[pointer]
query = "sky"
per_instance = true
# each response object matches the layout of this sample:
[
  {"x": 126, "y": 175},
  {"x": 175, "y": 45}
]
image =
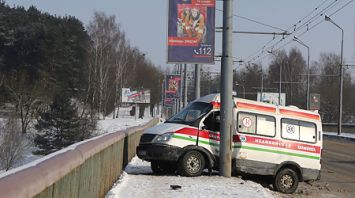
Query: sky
[{"x": 145, "y": 25}]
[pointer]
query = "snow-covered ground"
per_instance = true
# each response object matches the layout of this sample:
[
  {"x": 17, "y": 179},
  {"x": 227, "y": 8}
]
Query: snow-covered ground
[
  {"x": 138, "y": 181},
  {"x": 108, "y": 125}
]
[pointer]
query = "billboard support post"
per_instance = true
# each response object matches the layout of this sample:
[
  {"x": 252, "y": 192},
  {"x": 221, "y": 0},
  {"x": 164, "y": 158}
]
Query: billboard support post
[
  {"x": 197, "y": 81},
  {"x": 185, "y": 85}
]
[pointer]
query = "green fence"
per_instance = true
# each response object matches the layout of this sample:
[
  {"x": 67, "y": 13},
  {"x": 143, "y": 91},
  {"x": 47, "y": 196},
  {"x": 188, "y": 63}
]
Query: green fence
[{"x": 86, "y": 169}]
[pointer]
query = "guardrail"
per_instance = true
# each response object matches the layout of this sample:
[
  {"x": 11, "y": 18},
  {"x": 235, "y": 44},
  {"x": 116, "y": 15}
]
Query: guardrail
[
  {"x": 86, "y": 169},
  {"x": 333, "y": 127}
]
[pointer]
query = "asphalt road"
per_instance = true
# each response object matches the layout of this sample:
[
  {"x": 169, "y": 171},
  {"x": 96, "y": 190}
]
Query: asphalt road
[
  {"x": 338, "y": 164},
  {"x": 337, "y": 173}
]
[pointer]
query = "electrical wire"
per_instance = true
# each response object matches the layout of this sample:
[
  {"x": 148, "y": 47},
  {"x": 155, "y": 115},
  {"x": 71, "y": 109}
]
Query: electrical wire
[
  {"x": 297, "y": 29},
  {"x": 314, "y": 18},
  {"x": 341, "y": 7},
  {"x": 255, "y": 21}
]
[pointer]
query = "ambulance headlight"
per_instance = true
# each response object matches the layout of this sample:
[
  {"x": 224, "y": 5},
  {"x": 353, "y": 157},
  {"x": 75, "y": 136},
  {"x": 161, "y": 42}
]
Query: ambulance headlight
[{"x": 163, "y": 138}]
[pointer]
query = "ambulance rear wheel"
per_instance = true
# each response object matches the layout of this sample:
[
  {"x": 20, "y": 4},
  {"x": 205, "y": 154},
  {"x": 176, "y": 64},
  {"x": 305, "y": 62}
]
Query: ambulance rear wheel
[
  {"x": 192, "y": 164},
  {"x": 286, "y": 181}
]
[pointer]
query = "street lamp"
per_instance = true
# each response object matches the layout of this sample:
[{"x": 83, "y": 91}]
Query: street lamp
[
  {"x": 300, "y": 42},
  {"x": 341, "y": 74},
  {"x": 280, "y": 77},
  {"x": 262, "y": 85},
  {"x": 237, "y": 84}
]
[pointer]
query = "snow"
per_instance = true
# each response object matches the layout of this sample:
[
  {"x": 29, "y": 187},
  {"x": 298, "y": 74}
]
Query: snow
[
  {"x": 343, "y": 135},
  {"x": 108, "y": 125},
  {"x": 113, "y": 125},
  {"x": 138, "y": 181}
]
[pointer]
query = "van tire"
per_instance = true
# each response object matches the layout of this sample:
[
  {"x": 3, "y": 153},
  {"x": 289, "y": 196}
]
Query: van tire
[
  {"x": 286, "y": 181},
  {"x": 192, "y": 164},
  {"x": 162, "y": 167}
]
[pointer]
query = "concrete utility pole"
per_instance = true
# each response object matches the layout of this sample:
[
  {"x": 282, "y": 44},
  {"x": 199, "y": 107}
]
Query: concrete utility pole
[
  {"x": 197, "y": 81},
  {"x": 185, "y": 85},
  {"x": 225, "y": 156},
  {"x": 341, "y": 75}
]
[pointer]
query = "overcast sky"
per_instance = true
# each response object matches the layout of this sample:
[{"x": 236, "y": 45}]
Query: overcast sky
[{"x": 145, "y": 24}]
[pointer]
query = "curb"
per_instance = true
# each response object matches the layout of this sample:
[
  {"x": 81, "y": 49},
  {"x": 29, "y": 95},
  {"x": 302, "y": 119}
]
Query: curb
[{"x": 335, "y": 137}]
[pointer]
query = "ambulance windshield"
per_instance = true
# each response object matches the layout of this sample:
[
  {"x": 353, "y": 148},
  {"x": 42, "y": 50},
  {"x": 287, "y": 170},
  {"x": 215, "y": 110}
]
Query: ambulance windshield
[{"x": 191, "y": 113}]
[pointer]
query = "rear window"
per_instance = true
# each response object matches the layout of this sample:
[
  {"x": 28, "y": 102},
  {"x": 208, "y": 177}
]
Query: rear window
[{"x": 298, "y": 130}]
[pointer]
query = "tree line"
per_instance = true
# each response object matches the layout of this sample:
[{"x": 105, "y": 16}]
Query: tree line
[{"x": 60, "y": 73}]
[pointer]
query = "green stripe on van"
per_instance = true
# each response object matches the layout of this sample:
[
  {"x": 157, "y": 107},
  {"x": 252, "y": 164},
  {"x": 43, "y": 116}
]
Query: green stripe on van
[
  {"x": 278, "y": 152},
  {"x": 248, "y": 147},
  {"x": 194, "y": 140}
]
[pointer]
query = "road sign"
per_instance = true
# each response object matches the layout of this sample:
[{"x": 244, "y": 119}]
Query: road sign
[{"x": 315, "y": 101}]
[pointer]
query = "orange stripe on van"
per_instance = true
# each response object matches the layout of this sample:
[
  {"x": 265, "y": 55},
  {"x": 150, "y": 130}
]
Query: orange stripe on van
[
  {"x": 255, "y": 107},
  {"x": 299, "y": 114},
  {"x": 216, "y": 105}
]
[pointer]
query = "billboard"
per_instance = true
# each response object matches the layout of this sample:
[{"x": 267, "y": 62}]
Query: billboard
[
  {"x": 314, "y": 101},
  {"x": 135, "y": 95},
  {"x": 169, "y": 102},
  {"x": 191, "y": 31},
  {"x": 172, "y": 86},
  {"x": 272, "y": 98}
]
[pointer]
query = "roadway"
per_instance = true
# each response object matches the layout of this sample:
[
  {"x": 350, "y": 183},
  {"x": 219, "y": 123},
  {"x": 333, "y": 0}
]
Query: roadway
[
  {"x": 338, "y": 165},
  {"x": 337, "y": 173}
]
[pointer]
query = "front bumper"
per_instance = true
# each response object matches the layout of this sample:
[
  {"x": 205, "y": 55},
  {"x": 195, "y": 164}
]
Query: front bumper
[{"x": 150, "y": 152}]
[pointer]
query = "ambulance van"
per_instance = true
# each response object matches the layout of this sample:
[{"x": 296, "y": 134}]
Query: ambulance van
[{"x": 283, "y": 142}]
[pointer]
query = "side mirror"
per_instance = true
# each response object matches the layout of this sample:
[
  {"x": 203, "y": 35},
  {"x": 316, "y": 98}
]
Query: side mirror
[{"x": 218, "y": 119}]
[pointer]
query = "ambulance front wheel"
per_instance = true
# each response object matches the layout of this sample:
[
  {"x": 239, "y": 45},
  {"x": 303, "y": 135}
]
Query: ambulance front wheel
[
  {"x": 286, "y": 181},
  {"x": 162, "y": 167},
  {"x": 192, "y": 164}
]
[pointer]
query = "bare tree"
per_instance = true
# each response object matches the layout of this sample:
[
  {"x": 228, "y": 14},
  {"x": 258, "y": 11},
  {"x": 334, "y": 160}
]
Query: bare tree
[
  {"x": 293, "y": 67},
  {"x": 121, "y": 65},
  {"x": 327, "y": 85},
  {"x": 26, "y": 96},
  {"x": 107, "y": 59},
  {"x": 12, "y": 143}
]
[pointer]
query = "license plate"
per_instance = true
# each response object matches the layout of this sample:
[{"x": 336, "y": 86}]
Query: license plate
[{"x": 142, "y": 152}]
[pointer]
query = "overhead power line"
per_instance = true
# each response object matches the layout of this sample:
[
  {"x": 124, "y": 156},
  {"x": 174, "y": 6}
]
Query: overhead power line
[
  {"x": 319, "y": 15},
  {"x": 255, "y": 21},
  {"x": 304, "y": 24}
]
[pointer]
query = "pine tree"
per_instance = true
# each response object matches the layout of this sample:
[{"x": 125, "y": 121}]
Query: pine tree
[{"x": 58, "y": 127}]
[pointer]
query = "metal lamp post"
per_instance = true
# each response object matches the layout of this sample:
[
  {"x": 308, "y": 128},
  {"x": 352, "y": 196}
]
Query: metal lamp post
[
  {"x": 300, "y": 42},
  {"x": 280, "y": 77},
  {"x": 237, "y": 84},
  {"x": 341, "y": 74}
]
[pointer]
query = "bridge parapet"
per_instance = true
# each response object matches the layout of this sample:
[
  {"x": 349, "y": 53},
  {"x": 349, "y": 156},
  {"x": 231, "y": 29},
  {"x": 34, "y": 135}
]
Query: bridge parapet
[{"x": 85, "y": 169}]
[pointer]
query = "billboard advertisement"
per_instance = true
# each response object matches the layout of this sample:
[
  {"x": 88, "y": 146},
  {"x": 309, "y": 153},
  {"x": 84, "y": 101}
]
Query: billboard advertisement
[
  {"x": 135, "y": 95},
  {"x": 172, "y": 86},
  {"x": 191, "y": 31},
  {"x": 314, "y": 101},
  {"x": 272, "y": 98}
]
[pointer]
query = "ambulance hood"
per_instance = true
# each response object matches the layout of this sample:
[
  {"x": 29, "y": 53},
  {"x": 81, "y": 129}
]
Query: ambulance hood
[{"x": 164, "y": 128}]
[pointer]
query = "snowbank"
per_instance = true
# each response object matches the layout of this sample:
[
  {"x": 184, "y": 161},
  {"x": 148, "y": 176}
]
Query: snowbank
[
  {"x": 139, "y": 181},
  {"x": 108, "y": 125}
]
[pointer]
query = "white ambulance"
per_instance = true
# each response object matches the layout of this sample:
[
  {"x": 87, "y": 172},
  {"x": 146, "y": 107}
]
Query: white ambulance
[{"x": 283, "y": 142}]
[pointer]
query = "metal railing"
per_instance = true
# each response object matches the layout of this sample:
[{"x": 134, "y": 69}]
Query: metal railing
[{"x": 86, "y": 169}]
